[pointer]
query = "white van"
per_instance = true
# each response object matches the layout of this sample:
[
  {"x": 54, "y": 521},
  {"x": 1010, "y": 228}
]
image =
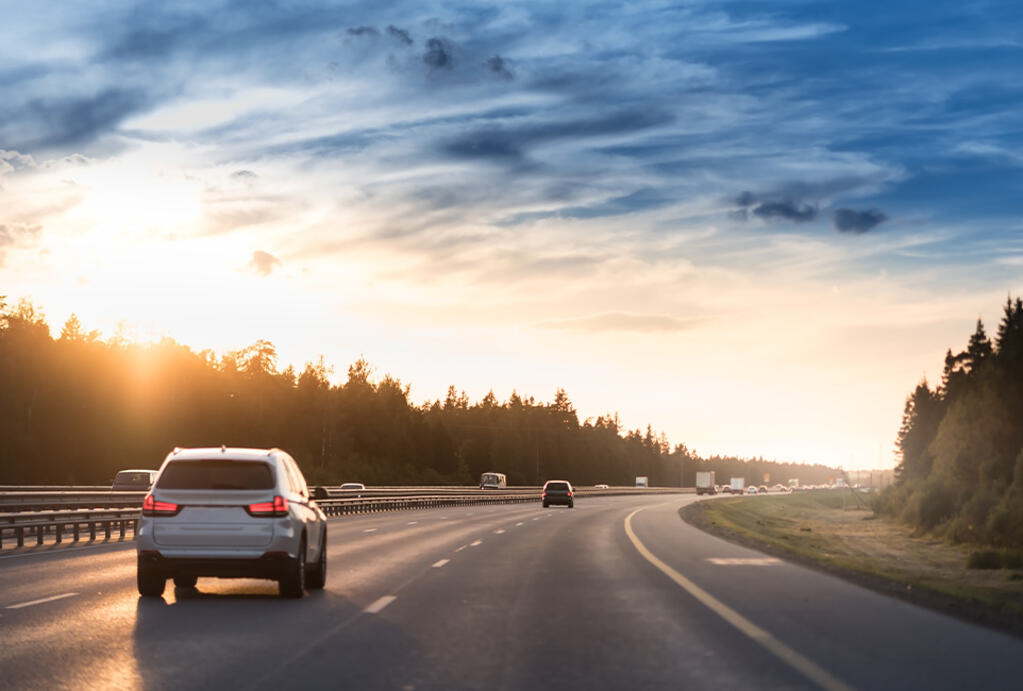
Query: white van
[{"x": 493, "y": 481}]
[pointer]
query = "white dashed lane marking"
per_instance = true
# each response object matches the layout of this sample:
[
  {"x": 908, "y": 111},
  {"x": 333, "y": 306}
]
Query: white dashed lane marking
[
  {"x": 518, "y": 524},
  {"x": 476, "y": 544},
  {"x": 411, "y": 522},
  {"x": 39, "y": 602},
  {"x": 441, "y": 563},
  {"x": 369, "y": 530},
  {"x": 380, "y": 604},
  {"x": 498, "y": 531}
]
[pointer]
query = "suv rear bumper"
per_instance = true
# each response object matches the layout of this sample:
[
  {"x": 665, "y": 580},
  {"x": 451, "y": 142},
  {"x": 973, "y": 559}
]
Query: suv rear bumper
[
  {"x": 271, "y": 565},
  {"x": 558, "y": 499}
]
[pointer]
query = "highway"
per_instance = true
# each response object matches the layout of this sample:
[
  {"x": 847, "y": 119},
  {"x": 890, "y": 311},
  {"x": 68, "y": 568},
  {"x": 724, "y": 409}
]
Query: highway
[{"x": 618, "y": 593}]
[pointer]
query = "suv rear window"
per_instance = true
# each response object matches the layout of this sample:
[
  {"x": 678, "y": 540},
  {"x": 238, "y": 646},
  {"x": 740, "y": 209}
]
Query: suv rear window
[
  {"x": 558, "y": 486},
  {"x": 216, "y": 475}
]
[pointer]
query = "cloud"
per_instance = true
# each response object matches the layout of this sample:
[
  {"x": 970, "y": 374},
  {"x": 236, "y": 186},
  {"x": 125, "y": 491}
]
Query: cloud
[
  {"x": 785, "y": 210},
  {"x": 263, "y": 262},
  {"x": 512, "y": 142},
  {"x": 858, "y": 222},
  {"x": 362, "y": 31},
  {"x": 499, "y": 66},
  {"x": 244, "y": 175},
  {"x": 623, "y": 321},
  {"x": 75, "y": 121},
  {"x": 438, "y": 54},
  {"x": 11, "y": 235},
  {"x": 400, "y": 34}
]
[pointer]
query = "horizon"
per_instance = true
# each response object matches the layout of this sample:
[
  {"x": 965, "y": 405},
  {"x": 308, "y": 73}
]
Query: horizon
[{"x": 753, "y": 227}]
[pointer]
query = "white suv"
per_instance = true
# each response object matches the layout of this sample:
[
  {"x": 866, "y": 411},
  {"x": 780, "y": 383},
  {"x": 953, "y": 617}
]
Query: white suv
[{"x": 231, "y": 513}]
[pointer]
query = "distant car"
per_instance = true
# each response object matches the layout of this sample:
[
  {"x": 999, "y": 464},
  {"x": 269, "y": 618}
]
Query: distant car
[
  {"x": 353, "y": 485},
  {"x": 751, "y": 490},
  {"x": 726, "y": 489},
  {"x": 231, "y": 513},
  {"x": 600, "y": 486},
  {"x": 138, "y": 480},
  {"x": 762, "y": 489},
  {"x": 557, "y": 492}
]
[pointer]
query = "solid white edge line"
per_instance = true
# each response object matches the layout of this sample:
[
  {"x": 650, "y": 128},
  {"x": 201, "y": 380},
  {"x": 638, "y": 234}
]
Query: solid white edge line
[
  {"x": 380, "y": 604},
  {"x": 39, "y": 602},
  {"x": 441, "y": 563},
  {"x": 797, "y": 661}
]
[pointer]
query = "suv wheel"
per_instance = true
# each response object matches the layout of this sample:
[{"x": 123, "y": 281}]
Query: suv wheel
[
  {"x": 292, "y": 583},
  {"x": 316, "y": 578},
  {"x": 150, "y": 581},
  {"x": 185, "y": 581}
]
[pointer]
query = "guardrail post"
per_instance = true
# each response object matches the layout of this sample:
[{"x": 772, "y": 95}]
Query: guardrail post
[
  {"x": 58, "y": 531},
  {"x": 106, "y": 529},
  {"x": 76, "y": 531},
  {"x": 39, "y": 535},
  {"x": 122, "y": 528},
  {"x": 92, "y": 531},
  {"x": 20, "y": 533}
]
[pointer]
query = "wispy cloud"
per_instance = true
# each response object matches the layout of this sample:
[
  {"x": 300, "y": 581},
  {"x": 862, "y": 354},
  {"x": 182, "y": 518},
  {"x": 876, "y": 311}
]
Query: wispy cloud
[{"x": 620, "y": 321}]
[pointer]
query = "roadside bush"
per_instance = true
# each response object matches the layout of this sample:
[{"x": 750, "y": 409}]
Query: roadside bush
[
  {"x": 988, "y": 559},
  {"x": 932, "y": 504},
  {"x": 891, "y": 501}
]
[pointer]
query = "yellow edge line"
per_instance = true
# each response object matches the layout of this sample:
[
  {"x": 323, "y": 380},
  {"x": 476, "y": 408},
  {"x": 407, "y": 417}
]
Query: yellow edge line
[{"x": 786, "y": 654}]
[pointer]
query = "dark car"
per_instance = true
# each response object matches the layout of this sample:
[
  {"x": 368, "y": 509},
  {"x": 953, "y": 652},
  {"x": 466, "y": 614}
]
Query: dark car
[
  {"x": 137, "y": 480},
  {"x": 558, "y": 492}
]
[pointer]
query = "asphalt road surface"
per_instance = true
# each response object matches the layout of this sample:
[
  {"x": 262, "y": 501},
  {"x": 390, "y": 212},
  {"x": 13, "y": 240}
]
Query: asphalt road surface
[{"x": 617, "y": 593}]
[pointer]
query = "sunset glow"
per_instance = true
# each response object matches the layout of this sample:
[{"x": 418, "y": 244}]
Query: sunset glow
[{"x": 754, "y": 230}]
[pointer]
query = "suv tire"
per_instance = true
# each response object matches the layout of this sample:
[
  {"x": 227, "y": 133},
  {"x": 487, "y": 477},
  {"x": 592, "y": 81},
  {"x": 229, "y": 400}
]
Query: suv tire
[
  {"x": 150, "y": 581},
  {"x": 292, "y": 583},
  {"x": 316, "y": 577},
  {"x": 185, "y": 582}
]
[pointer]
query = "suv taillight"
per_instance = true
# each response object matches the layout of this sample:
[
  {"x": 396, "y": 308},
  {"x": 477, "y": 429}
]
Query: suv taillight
[
  {"x": 271, "y": 509},
  {"x": 570, "y": 493},
  {"x": 151, "y": 507}
]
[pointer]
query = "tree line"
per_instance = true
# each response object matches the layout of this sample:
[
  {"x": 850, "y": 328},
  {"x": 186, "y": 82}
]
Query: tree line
[
  {"x": 76, "y": 408},
  {"x": 960, "y": 444}
]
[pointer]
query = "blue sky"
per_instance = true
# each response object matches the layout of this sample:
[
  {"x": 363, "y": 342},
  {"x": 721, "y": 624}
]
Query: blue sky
[{"x": 754, "y": 225}]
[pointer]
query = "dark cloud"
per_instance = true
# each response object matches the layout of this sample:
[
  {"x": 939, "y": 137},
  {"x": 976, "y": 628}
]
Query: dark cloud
[
  {"x": 512, "y": 142},
  {"x": 745, "y": 199},
  {"x": 244, "y": 175},
  {"x": 622, "y": 321},
  {"x": 77, "y": 121},
  {"x": 785, "y": 210},
  {"x": 400, "y": 34},
  {"x": 499, "y": 66},
  {"x": 438, "y": 53},
  {"x": 858, "y": 222},
  {"x": 263, "y": 262},
  {"x": 362, "y": 31}
]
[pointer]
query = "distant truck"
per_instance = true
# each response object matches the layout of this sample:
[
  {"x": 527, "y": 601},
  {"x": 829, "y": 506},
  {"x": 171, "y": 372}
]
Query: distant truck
[
  {"x": 738, "y": 484},
  {"x": 493, "y": 481},
  {"x": 642, "y": 482},
  {"x": 705, "y": 482}
]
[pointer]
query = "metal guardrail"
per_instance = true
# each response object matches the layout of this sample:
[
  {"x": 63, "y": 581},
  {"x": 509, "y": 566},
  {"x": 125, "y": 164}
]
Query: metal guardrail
[
  {"x": 40, "y": 524},
  {"x": 73, "y": 512}
]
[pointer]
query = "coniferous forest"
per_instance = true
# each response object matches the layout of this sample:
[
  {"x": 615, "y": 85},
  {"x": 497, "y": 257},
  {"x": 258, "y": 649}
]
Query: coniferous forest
[
  {"x": 76, "y": 408},
  {"x": 961, "y": 443}
]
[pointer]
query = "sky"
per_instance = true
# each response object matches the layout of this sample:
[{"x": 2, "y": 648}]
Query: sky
[{"x": 754, "y": 226}]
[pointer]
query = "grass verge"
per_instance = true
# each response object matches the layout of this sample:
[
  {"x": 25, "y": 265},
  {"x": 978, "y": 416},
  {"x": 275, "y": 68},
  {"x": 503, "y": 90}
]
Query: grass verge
[{"x": 832, "y": 530}]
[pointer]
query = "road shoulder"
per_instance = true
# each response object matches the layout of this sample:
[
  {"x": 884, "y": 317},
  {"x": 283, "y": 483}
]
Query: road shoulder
[{"x": 916, "y": 593}]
